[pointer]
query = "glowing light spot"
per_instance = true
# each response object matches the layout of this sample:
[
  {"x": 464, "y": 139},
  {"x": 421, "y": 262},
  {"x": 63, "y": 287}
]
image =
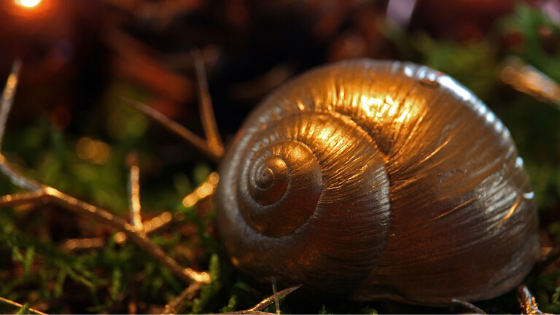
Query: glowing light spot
[
  {"x": 204, "y": 190},
  {"x": 85, "y": 148},
  {"x": 499, "y": 126},
  {"x": 392, "y": 110},
  {"x": 519, "y": 162},
  {"x": 214, "y": 178},
  {"x": 407, "y": 113},
  {"x": 408, "y": 71},
  {"x": 326, "y": 133},
  {"x": 166, "y": 217},
  {"x": 71, "y": 244},
  {"x": 203, "y": 277},
  {"x": 147, "y": 226},
  {"x": 389, "y": 100},
  {"x": 452, "y": 85},
  {"x": 97, "y": 151},
  {"x": 102, "y": 153},
  {"x": 512, "y": 209},
  {"x": 28, "y": 3},
  {"x": 490, "y": 117},
  {"x": 235, "y": 261},
  {"x": 119, "y": 238},
  {"x": 366, "y": 105},
  {"x": 190, "y": 201}
]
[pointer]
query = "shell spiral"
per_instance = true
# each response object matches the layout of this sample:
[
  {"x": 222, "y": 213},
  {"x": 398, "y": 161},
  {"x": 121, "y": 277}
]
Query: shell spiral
[{"x": 378, "y": 180}]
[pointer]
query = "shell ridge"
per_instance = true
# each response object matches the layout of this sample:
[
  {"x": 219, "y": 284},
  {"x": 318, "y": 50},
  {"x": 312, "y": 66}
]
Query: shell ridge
[{"x": 437, "y": 207}]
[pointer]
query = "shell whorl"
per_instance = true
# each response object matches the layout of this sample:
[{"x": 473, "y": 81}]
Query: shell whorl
[
  {"x": 378, "y": 179},
  {"x": 284, "y": 183},
  {"x": 288, "y": 195}
]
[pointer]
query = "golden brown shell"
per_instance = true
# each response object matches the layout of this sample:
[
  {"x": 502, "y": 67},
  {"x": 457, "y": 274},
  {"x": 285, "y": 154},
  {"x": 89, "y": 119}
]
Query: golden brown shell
[{"x": 378, "y": 180}]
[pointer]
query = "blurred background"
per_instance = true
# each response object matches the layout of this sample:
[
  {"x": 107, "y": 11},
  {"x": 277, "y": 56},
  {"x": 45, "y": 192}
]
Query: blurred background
[{"x": 70, "y": 129}]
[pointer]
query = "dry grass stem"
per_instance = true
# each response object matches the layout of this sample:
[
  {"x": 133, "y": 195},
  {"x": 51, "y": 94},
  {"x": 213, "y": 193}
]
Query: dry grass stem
[
  {"x": 3, "y": 300},
  {"x": 42, "y": 192}
]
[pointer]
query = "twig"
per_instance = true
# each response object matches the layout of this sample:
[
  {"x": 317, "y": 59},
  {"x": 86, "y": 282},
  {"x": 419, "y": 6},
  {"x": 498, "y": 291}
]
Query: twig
[
  {"x": 178, "y": 305},
  {"x": 5, "y": 107},
  {"x": 468, "y": 305},
  {"x": 80, "y": 207},
  {"x": 16, "y": 177},
  {"x": 40, "y": 191},
  {"x": 20, "y": 305},
  {"x": 134, "y": 191},
  {"x": 531, "y": 81},
  {"x": 527, "y": 301},
  {"x": 250, "y": 312},
  {"x": 48, "y": 193},
  {"x": 257, "y": 309},
  {"x": 26, "y": 197},
  {"x": 275, "y": 295},
  {"x": 83, "y": 243},
  {"x": 205, "y": 105},
  {"x": 206, "y": 189},
  {"x": 158, "y": 222},
  {"x": 211, "y": 146},
  {"x": 8, "y": 96},
  {"x": 177, "y": 129}
]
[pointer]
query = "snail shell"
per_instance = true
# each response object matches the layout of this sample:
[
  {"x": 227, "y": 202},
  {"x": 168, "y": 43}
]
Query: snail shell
[{"x": 378, "y": 180}]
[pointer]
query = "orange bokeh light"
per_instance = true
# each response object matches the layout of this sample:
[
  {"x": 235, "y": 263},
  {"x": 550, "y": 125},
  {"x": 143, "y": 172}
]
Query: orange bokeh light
[{"x": 28, "y": 3}]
